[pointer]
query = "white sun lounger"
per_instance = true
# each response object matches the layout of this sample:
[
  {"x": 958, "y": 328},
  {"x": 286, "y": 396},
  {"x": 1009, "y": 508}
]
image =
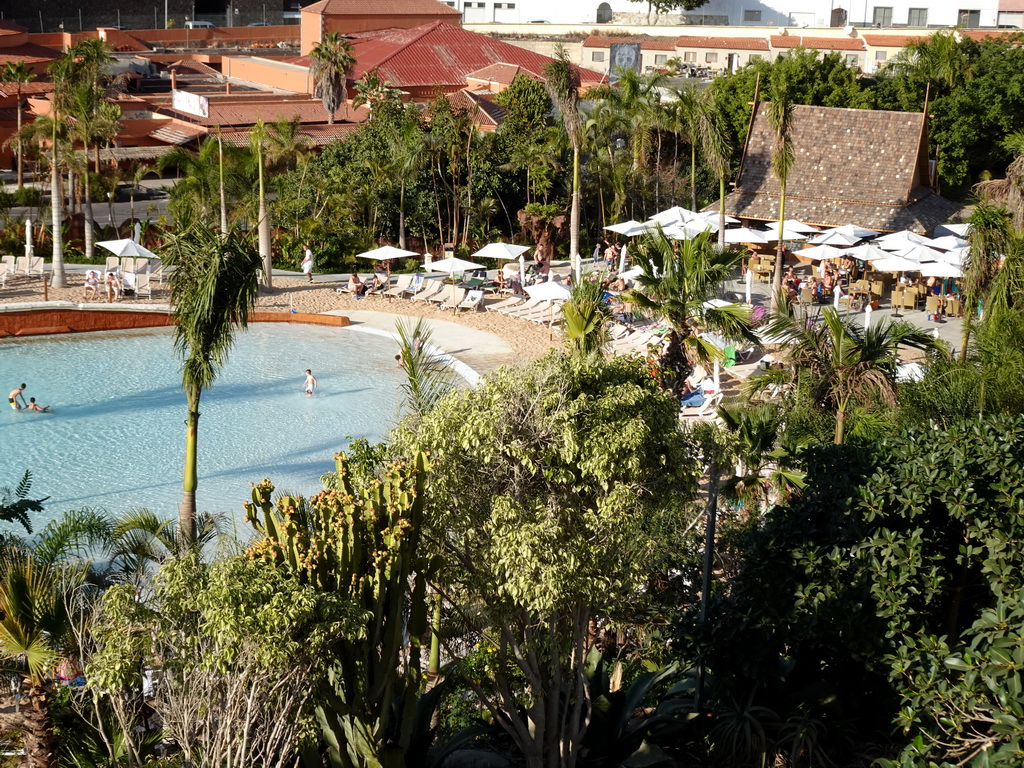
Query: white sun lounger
[
  {"x": 454, "y": 298},
  {"x": 430, "y": 288},
  {"x": 143, "y": 285},
  {"x": 539, "y": 309},
  {"x": 21, "y": 266},
  {"x": 127, "y": 265},
  {"x": 443, "y": 296},
  {"x": 401, "y": 285},
  {"x": 511, "y": 301},
  {"x": 113, "y": 264},
  {"x": 474, "y": 300},
  {"x": 517, "y": 309},
  {"x": 701, "y": 412},
  {"x": 35, "y": 266}
]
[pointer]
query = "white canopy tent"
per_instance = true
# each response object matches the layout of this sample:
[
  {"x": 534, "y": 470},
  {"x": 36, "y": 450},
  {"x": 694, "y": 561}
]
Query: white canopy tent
[
  {"x": 746, "y": 235},
  {"x": 834, "y": 237}
]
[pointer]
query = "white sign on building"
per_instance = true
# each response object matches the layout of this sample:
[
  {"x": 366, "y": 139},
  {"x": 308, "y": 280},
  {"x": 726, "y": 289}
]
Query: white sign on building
[{"x": 192, "y": 103}]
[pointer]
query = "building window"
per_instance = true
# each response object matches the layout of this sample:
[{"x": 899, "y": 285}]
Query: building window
[
  {"x": 882, "y": 17},
  {"x": 604, "y": 13},
  {"x": 660, "y": 58},
  {"x": 852, "y": 60},
  {"x": 754, "y": 57},
  {"x": 751, "y": 17},
  {"x": 689, "y": 55},
  {"x": 969, "y": 19},
  {"x": 711, "y": 58},
  {"x": 917, "y": 17},
  {"x": 597, "y": 56},
  {"x": 881, "y": 55}
]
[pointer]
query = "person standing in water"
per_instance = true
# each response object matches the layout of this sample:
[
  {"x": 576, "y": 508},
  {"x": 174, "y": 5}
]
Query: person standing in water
[
  {"x": 12, "y": 398},
  {"x": 310, "y": 382}
]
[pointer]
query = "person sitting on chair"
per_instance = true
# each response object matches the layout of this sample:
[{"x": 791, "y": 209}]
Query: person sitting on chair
[
  {"x": 693, "y": 391},
  {"x": 92, "y": 283},
  {"x": 357, "y": 286}
]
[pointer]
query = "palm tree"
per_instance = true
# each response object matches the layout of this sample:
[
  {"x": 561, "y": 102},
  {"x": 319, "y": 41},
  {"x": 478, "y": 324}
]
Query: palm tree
[
  {"x": 409, "y": 155},
  {"x": 843, "y": 363},
  {"x": 257, "y": 140},
  {"x": 678, "y": 281},
  {"x": 586, "y": 318},
  {"x": 330, "y": 63},
  {"x": 214, "y": 284},
  {"x": 563, "y": 84},
  {"x": 780, "y": 116},
  {"x": 284, "y": 143},
  {"x": 714, "y": 136},
  {"x": 35, "y": 634},
  {"x": 197, "y": 188},
  {"x": 19, "y": 74}
]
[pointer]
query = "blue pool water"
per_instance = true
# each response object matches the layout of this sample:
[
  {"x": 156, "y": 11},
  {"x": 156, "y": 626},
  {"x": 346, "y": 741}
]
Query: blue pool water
[{"x": 116, "y": 437}]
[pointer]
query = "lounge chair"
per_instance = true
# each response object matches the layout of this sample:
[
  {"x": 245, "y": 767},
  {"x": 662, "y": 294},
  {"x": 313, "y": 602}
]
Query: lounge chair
[
  {"x": 705, "y": 409},
  {"x": 512, "y": 301},
  {"x": 430, "y": 288},
  {"x": 401, "y": 285},
  {"x": 552, "y": 317},
  {"x": 454, "y": 298},
  {"x": 127, "y": 265},
  {"x": 21, "y": 266},
  {"x": 474, "y": 300},
  {"x": 3, "y": 274},
  {"x": 442, "y": 296},
  {"x": 143, "y": 285},
  {"x": 128, "y": 284},
  {"x": 35, "y": 266},
  {"x": 416, "y": 285},
  {"x": 538, "y": 311},
  {"x": 524, "y": 306},
  {"x": 113, "y": 264}
]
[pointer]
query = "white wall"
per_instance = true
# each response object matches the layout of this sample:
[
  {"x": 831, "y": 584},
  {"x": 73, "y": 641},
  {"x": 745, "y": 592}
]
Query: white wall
[{"x": 772, "y": 13}]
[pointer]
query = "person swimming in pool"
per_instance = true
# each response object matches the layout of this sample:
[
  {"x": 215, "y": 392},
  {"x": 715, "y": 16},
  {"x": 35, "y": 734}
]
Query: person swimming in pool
[
  {"x": 12, "y": 398},
  {"x": 310, "y": 382},
  {"x": 33, "y": 406}
]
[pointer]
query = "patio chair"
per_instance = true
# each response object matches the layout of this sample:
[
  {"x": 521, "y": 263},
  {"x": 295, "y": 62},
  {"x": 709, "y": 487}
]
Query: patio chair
[
  {"x": 401, "y": 285},
  {"x": 806, "y": 296},
  {"x": 909, "y": 299},
  {"x": 474, "y": 300},
  {"x": 430, "y": 288},
  {"x": 454, "y": 298},
  {"x": 953, "y": 307},
  {"x": 931, "y": 305}
]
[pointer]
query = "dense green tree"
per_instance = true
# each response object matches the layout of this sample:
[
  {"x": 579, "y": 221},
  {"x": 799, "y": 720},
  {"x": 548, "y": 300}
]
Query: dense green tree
[
  {"x": 578, "y": 466},
  {"x": 18, "y": 74}
]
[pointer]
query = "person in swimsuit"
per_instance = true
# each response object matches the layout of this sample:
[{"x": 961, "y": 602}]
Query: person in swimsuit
[
  {"x": 12, "y": 398},
  {"x": 92, "y": 282},
  {"x": 33, "y": 406},
  {"x": 310, "y": 382}
]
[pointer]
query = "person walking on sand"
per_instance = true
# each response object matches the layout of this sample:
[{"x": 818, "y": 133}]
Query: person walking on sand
[
  {"x": 33, "y": 406},
  {"x": 310, "y": 382},
  {"x": 12, "y": 398},
  {"x": 307, "y": 264}
]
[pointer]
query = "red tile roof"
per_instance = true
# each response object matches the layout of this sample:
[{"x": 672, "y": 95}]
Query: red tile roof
[
  {"x": 183, "y": 66},
  {"x": 732, "y": 43},
  {"x": 502, "y": 73},
  {"x": 646, "y": 43},
  {"x": 10, "y": 28},
  {"x": 891, "y": 41},
  {"x": 176, "y": 133},
  {"x": 34, "y": 88},
  {"x": 30, "y": 53},
  {"x": 482, "y": 111},
  {"x": 440, "y": 54},
  {"x": 381, "y": 8},
  {"x": 248, "y": 112},
  {"x": 313, "y": 135},
  {"x": 818, "y": 43},
  {"x": 982, "y": 34}
]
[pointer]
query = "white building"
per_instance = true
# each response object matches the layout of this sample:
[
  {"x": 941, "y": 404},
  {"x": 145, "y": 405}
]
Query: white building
[{"x": 809, "y": 13}]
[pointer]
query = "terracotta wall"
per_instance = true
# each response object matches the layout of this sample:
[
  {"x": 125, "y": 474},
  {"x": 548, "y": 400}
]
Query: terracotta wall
[
  {"x": 270, "y": 73},
  {"x": 41, "y": 322}
]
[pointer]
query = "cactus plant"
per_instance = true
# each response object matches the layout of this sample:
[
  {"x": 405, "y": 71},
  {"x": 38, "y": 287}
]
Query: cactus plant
[{"x": 361, "y": 544}]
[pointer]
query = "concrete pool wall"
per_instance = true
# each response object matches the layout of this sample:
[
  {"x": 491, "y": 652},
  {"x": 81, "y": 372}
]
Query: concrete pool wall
[{"x": 35, "y": 319}]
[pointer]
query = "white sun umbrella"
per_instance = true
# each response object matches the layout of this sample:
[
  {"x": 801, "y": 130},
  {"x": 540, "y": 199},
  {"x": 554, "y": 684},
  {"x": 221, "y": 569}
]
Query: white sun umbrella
[
  {"x": 821, "y": 252},
  {"x": 550, "y": 290},
  {"x": 787, "y": 233},
  {"x": 745, "y": 235},
  {"x": 940, "y": 269},
  {"x": 674, "y": 215},
  {"x": 506, "y": 251},
  {"x": 894, "y": 241},
  {"x": 29, "y": 246},
  {"x": 129, "y": 248},
  {"x": 956, "y": 257},
  {"x": 629, "y": 228},
  {"x": 386, "y": 253},
  {"x": 852, "y": 230},
  {"x": 687, "y": 231},
  {"x": 631, "y": 273},
  {"x": 948, "y": 243},
  {"x": 959, "y": 230},
  {"x": 867, "y": 252},
  {"x": 714, "y": 217},
  {"x": 834, "y": 237},
  {"x": 919, "y": 253},
  {"x": 451, "y": 265},
  {"x": 793, "y": 229},
  {"x": 895, "y": 264}
]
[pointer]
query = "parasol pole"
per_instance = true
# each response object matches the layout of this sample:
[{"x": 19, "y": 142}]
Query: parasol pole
[{"x": 748, "y": 277}]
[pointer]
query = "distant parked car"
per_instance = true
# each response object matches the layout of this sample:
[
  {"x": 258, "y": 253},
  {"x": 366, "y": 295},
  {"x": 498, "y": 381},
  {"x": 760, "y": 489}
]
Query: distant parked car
[
  {"x": 258, "y": 24},
  {"x": 194, "y": 24}
]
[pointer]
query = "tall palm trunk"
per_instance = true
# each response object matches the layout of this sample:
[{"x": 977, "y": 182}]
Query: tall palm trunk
[
  {"x": 190, "y": 481},
  {"x": 693, "y": 176},
  {"x": 781, "y": 248},
  {"x": 59, "y": 279},
  {"x": 401, "y": 216},
  {"x": 39, "y": 746},
  {"x": 18, "y": 145},
  {"x": 721, "y": 213},
  {"x": 90, "y": 239},
  {"x": 223, "y": 193},
  {"x": 263, "y": 226},
  {"x": 574, "y": 211}
]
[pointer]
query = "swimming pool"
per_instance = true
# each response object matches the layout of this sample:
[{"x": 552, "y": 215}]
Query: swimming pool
[{"x": 116, "y": 439}]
